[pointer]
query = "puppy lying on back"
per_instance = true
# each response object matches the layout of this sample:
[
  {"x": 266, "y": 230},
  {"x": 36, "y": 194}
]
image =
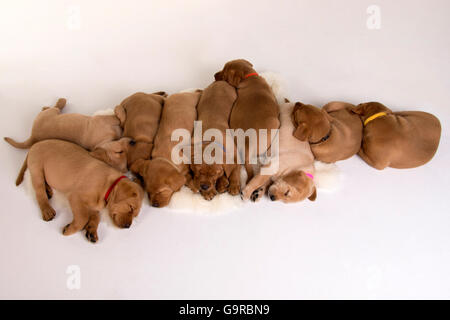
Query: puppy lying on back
[
  {"x": 293, "y": 181},
  {"x": 333, "y": 132},
  {"x": 89, "y": 184},
  {"x": 214, "y": 110},
  {"x": 255, "y": 107},
  {"x": 95, "y": 133},
  {"x": 397, "y": 139},
  {"x": 139, "y": 117},
  {"x": 161, "y": 176}
]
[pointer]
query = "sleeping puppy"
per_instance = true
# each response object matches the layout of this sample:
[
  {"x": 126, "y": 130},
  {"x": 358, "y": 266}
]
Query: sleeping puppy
[
  {"x": 96, "y": 133},
  {"x": 139, "y": 117},
  {"x": 255, "y": 107},
  {"x": 214, "y": 110},
  {"x": 333, "y": 132},
  {"x": 294, "y": 179},
  {"x": 89, "y": 184},
  {"x": 161, "y": 176},
  {"x": 397, "y": 139}
]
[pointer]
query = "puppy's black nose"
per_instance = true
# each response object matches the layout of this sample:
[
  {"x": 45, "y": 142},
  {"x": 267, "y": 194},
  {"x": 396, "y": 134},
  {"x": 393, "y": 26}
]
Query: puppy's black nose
[
  {"x": 204, "y": 186},
  {"x": 155, "y": 204},
  {"x": 272, "y": 197},
  {"x": 126, "y": 225},
  {"x": 132, "y": 142}
]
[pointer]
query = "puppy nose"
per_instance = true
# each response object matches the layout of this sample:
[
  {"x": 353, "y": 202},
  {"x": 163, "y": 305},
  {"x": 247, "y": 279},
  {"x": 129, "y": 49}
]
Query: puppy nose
[
  {"x": 155, "y": 204},
  {"x": 126, "y": 225},
  {"x": 272, "y": 197},
  {"x": 205, "y": 186}
]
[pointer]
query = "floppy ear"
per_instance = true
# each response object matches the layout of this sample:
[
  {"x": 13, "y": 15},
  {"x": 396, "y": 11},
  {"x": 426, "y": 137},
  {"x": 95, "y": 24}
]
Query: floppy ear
[
  {"x": 359, "y": 109},
  {"x": 234, "y": 77},
  {"x": 228, "y": 169},
  {"x": 121, "y": 114},
  {"x": 302, "y": 132},
  {"x": 100, "y": 154},
  {"x": 313, "y": 196},
  {"x": 161, "y": 93},
  {"x": 138, "y": 167},
  {"x": 218, "y": 76}
]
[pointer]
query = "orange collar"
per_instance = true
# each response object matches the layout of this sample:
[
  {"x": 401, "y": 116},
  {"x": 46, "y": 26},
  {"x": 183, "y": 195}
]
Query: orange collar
[
  {"x": 112, "y": 187},
  {"x": 251, "y": 75}
]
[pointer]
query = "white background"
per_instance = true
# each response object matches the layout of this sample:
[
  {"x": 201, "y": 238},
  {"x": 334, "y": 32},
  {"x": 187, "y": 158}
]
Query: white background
[{"x": 382, "y": 235}]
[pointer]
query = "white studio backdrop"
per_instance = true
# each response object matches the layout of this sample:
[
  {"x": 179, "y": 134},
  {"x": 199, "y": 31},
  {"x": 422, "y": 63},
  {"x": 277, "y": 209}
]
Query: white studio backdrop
[{"x": 382, "y": 235}]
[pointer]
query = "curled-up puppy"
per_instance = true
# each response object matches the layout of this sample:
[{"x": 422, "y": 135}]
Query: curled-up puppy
[
  {"x": 333, "y": 132},
  {"x": 139, "y": 117},
  {"x": 161, "y": 176},
  {"x": 293, "y": 180},
  {"x": 89, "y": 184},
  {"x": 255, "y": 107},
  {"x": 97, "y": 133},
  {"x": 397, "y": 139},
  {"x": 214, "y": 110}
]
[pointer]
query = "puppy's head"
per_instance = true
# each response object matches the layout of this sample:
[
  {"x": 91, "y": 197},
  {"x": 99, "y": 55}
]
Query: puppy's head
[
  {"x": 293, "y": 187},
  {"x": 205, "y": 175},
  {"x": 311, "y": 123},
  {"x": 124, "y": 203},
  {"x": 235, "y": 71},
  {"x": 113, "y": 153},
  {"x": 161, "y": 180},
  {"x": 365, "y": 110},
  {"x": 138, "y": 150}
]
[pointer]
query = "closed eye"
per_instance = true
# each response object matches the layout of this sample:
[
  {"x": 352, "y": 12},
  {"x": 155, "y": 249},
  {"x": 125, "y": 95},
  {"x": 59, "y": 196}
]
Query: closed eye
[{"x": 286, "y": 193}]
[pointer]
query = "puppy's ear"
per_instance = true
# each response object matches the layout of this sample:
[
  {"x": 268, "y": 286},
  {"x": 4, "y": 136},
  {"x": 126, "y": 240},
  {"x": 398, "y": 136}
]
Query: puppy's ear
[
  {"x": 138, "y": 167},
  {"x": 121, "y": 114},
  {"x": 100, "y": 154},
  {"x": 359, "y": 109},
  {"x": 302, "y": 132},
  {"x": 218, "y": 76},
  {"x": 161, "y": 93},
  {"x": 228, "y": 169},
  {"x": 297, "y": 106},
  {"x": 313, "y": 196}
]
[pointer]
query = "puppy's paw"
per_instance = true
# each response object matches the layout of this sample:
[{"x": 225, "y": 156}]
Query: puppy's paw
[
  {"x": 210, "y": 194},
  {"x": 234, "y": 189},
  {"x": 91, "y": 235},
  {"x": 48, "y": 213},
  {"x": 222, "y": 184},
  {"x": 246, "y": 193},
  {"x": 257, "y": 194},
  {"x": 68, "y": 230}
]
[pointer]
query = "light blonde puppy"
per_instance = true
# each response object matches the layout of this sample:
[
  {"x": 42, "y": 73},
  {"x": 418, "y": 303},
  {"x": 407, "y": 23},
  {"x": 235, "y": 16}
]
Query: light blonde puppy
[
  {"x": 89, "y": 184},
  {"x": 97, "y": 133},
  {"x": 293, "y": 180}
]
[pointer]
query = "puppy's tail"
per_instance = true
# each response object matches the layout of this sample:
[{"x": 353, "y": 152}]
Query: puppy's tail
[
  {"x": 60, "y": 104},
  {"x": 22, "y": 172},
  {"x": 21, "y": 145}
]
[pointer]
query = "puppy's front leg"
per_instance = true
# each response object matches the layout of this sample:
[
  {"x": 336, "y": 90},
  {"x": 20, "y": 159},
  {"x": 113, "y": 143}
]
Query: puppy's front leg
[
  {"x": 235, "y": 181},
  {"x": 259, "y": 181},
  {"x": 81, "y": 215},
  {"x": 91, "y": 227},
  {"x": 190, "y": 183}
]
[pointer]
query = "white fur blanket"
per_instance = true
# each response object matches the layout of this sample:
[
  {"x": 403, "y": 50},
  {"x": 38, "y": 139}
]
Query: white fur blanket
[{"x": 326, "y": 176}]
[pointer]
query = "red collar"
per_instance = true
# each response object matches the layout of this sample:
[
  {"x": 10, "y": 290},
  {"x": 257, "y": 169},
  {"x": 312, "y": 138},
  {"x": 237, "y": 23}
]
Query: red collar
[
  {"x": 112, "y": 187},
  {"x": 251, "y": 75}
]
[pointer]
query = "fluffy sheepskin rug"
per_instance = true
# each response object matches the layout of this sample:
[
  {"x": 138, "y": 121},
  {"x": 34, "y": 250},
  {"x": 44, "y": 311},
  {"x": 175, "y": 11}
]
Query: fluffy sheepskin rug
[{"x": 326, "y": 176}]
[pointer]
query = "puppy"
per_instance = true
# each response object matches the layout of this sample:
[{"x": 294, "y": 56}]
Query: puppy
[
  {"x": 255, "y": 107},
  {"x": 293, "y": 181},
  {"x": 333, "y": 132},
  {"x": 139, "y": 117},
  {"x": 92, "y": 133},
  {"x": 161, "y": 176},
  {"x": 89, "y": 184},
  {"x": 397, "y": 139},
  {"x": 214, "y": 110}
]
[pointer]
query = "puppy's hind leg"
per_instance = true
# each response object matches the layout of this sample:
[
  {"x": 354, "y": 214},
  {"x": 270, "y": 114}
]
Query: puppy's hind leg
[
  {"x": 81, "y": 215},
  {"x": 39, "y": 186},
  {"x": 379, "y": 165}
]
